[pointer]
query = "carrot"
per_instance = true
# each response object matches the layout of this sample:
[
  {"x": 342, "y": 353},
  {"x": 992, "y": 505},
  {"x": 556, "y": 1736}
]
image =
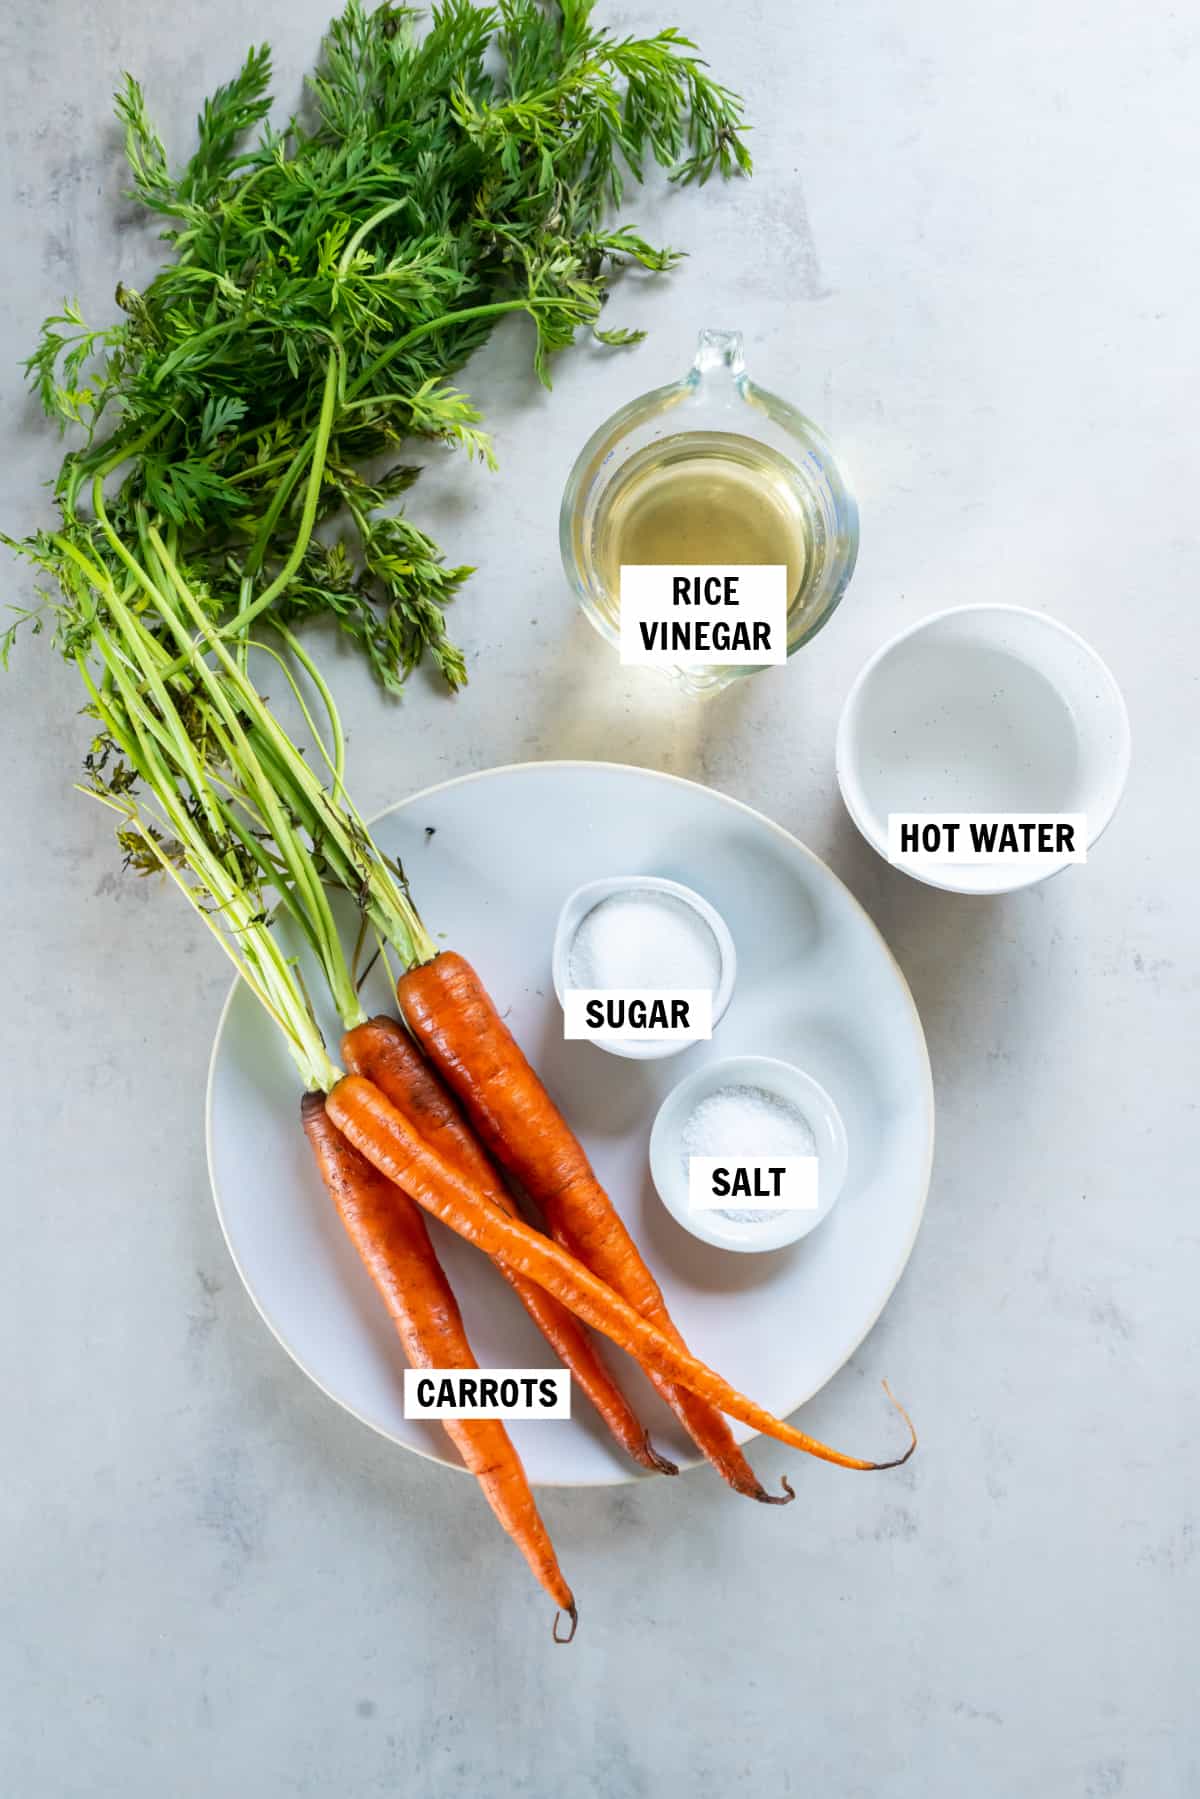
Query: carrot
[
  {"x": 392, "y": 1146},
  {"x": 390, "y": 1235},
  {"x": 382, "y": 1050},
  {"x": 460, "y": 1030}
]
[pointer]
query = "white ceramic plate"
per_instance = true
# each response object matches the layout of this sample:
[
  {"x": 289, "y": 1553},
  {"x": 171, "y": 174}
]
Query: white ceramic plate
[{"x": 491, "y": 858}]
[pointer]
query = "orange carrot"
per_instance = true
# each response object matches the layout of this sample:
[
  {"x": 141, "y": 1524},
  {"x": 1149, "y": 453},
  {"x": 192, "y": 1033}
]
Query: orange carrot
[
  {"x": 461, "y": 1032},
  {"x": 390, "y": 1235},
  {"x": 382, "y": 1050},
  {"x": 392, "y": 1146}
]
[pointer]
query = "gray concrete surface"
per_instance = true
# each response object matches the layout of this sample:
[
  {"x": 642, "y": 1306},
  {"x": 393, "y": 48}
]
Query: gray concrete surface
[{"x": 970, "y": 250}]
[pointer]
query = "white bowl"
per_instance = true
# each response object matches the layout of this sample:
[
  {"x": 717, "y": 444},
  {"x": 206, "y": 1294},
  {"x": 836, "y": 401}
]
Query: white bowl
[
  {"x": 576, "y": 908},
  {"x": 983, "y": 709},
  {"x": 783, "y": 1081}
]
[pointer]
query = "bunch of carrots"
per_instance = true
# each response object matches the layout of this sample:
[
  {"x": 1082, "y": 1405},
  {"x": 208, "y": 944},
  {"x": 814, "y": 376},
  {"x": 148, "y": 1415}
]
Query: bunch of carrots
[
  {"x": 434, "y": 1103},
  {"x": 391, "y": 1124},
  {"x": 229, "y": 406}
]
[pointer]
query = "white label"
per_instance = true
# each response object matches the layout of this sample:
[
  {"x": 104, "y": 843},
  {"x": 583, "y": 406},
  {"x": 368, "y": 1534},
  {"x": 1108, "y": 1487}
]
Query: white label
[
  {"x": 779, "y": 1184},
  {"x": 972, "y": 839},
  {"x": 638, "y": 1015},
  {"x": 695, "y": 616},
  {"x": 487, "y": 1393}
]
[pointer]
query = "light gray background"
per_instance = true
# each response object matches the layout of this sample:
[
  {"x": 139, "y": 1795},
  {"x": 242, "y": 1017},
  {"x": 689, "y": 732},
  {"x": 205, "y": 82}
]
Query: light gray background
[{"x": 970, "y": 251}]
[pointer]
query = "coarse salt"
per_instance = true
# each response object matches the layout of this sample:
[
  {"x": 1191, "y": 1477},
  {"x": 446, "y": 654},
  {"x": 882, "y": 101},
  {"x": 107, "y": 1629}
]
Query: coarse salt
[{"x": 742, "y": 1123}]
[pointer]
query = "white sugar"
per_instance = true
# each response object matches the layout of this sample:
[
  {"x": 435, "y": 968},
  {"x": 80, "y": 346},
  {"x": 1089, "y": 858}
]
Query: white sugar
[
  {"x": 647, "y": 940},
  {"x": 746, "y": 1124}
]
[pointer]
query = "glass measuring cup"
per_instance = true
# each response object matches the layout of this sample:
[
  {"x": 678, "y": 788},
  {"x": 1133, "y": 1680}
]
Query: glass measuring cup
[{"x": 715, "y": 413}]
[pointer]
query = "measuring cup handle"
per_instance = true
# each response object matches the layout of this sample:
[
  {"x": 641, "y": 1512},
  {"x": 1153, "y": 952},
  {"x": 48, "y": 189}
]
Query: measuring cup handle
[{"x": 719, "y": 354}]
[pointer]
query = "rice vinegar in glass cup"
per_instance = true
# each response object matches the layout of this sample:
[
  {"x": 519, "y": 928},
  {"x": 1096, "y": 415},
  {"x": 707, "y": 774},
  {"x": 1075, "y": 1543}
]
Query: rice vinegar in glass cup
[{"x": 711, "y": 469}]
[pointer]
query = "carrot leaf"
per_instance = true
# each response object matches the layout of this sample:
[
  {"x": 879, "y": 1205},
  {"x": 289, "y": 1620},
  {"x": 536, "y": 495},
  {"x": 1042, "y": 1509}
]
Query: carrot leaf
[{"x": 440, "y": 179}]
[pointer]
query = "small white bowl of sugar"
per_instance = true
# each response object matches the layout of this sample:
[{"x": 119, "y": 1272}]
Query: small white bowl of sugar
[
  {"x": 747, "y": 1109},
  {"x": 643, "y": 933}
]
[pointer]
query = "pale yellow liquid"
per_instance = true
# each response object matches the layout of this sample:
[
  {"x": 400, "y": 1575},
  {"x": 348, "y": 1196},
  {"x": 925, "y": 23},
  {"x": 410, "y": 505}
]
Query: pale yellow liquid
[{"x": 702, "y": 497}]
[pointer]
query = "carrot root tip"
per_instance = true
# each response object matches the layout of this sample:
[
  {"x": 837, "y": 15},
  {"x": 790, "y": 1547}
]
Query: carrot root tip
[
  {"x": 658, "y": 1462},
  {"x": 899, "y": 1460},
  {"x": 784, "y": 1498},
  {"x": 573, "y": 1615}
]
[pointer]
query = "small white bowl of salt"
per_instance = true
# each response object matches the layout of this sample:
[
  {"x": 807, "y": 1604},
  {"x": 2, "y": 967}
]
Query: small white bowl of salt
[
  {"x": 643, "y": 933},
  {"x": 747, "y": 1109}
]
